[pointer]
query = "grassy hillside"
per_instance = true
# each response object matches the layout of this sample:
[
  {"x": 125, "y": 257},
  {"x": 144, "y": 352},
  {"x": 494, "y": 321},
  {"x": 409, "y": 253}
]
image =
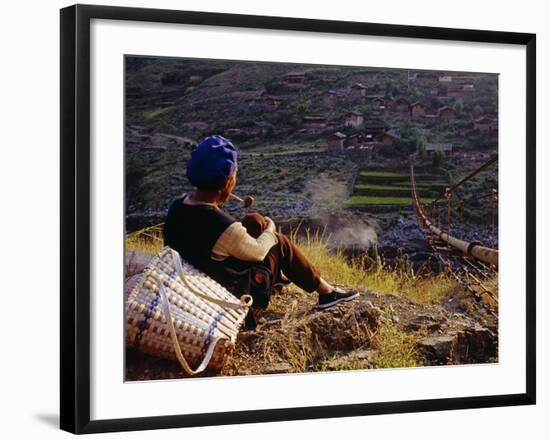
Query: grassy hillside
[
  {"x": 384, "y": 188},
  {"x": 172, "y": 103}
]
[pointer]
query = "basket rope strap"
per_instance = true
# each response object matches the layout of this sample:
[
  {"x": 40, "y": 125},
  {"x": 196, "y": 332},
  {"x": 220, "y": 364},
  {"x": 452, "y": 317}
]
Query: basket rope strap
[
  {"x": 179, "y": 354},
  {"x": 246, "y": 299}
]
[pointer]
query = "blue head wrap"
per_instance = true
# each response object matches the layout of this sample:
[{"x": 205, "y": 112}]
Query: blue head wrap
[{"x": 212, "y": 162}]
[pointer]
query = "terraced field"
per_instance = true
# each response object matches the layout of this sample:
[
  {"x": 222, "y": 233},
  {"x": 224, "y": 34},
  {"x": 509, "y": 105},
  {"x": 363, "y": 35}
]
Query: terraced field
[{"x": 382, "y": 188}]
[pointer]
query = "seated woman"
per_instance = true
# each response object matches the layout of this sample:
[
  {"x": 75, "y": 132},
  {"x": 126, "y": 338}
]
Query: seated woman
[{"x": 245, "y": 257}]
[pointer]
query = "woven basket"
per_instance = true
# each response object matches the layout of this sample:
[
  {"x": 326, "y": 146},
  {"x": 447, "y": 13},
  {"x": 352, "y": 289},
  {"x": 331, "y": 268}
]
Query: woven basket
[{"x": 177, "y": 312}]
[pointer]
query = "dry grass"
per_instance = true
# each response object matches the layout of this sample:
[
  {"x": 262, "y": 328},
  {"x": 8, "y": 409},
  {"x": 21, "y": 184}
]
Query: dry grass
[
  {"x": 394, "y": 348},
  {"x": 286, "y": 341},
  {"x": 362, "y": 272},
  {"x": 366, "y": 273},
  {"x": 148, "y": 239}
]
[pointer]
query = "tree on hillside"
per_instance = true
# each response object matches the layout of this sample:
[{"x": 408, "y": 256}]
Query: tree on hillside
[
  {"x": 459, "y": 106},
  {"x": 392, "y": 88},
  {"x": 421, "y": 146},
  {"x": 437, "y": 159}
]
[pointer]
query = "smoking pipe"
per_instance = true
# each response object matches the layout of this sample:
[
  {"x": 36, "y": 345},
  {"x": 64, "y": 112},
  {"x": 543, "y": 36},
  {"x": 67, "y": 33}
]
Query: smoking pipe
[{"x": 247, "y": 201}]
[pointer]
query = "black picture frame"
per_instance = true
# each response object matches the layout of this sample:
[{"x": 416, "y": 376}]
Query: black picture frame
[{"x": 75, "y": 217}]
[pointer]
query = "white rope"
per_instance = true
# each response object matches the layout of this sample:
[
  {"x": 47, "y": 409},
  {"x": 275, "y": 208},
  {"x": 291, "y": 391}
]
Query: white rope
[
  {"x": 179, "y": 354},
  {"x": 246, "y": 302},
  {"x": 246, "y": 299}
]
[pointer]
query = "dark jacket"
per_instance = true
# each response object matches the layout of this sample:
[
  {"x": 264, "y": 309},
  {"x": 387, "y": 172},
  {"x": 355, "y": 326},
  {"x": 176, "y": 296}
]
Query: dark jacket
[{"x": 192, "y": 230}]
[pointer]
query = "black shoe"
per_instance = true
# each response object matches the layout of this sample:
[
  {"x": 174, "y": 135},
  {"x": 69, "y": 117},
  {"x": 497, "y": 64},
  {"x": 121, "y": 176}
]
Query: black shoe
[{"x": 335, "y": 297}]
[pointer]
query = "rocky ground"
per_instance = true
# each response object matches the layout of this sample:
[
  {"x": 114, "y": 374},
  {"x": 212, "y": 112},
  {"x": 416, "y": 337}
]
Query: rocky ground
[
  {"x": 403, "y": 231},
  {"x": 301, "y": 339},
  {"x": 401, "y": 234}
]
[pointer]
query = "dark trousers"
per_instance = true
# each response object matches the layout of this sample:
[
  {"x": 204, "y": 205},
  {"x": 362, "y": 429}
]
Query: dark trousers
[{"x": 284, "y": 257}]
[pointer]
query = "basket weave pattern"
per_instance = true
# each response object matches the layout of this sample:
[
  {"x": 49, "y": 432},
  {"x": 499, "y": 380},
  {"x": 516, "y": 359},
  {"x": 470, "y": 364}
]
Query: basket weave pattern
[{"x": 205, "y": 317}]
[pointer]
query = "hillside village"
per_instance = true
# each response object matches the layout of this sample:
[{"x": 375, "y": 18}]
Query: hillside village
[
  {"x": 370, "y": 107},
  {"x": 310, "y": 136}
]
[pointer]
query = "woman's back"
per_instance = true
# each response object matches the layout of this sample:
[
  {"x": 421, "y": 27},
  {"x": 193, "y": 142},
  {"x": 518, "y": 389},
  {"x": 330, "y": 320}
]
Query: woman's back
[{"x": 193, "y": 229}]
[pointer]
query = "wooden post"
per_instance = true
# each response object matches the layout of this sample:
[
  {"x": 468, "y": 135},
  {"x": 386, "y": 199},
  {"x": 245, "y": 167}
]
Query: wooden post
[{"x": 448, "y": 197}]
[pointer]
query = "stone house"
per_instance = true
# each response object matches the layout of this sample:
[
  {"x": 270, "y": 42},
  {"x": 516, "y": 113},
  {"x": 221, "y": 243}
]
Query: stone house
[
  {"x": 379, "y": 103},
  {"x": 386, "y": 138},
  {"x": 373, "y": 128},
  {"x": 447, "y": 113},
  {"x": 314, "y": 122},
  {"x": 418, "y": 110},
  {"x": 483, "y": 123},
  {"x": 269, "y": 102},
  {"x": 358, "y": 90},
  {"x": 401, "y": 105},
  {"x": 354, "y": 119},
  {"x": 295, "y": 78},
  {"x": 331, "y": 97},
  {"x": 335, "y": 141}
]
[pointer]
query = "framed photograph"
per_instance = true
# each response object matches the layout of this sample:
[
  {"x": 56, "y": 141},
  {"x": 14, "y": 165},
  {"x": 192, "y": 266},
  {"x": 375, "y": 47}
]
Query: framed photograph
[{"x": 340, "y": 214}]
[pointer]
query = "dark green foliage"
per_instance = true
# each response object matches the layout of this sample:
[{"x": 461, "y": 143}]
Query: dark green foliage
[{"x": 437, "y": 159}]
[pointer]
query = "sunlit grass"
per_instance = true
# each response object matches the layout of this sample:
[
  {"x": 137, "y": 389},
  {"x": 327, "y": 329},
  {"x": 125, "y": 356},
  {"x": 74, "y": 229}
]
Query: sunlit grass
[
  {"x": 360, "y": 272},
  {"x": 148, "y": 240},
  {"x": 394, "y": 348},
  {"x": 367, "y": 273},
  {"x": 367, "y": 200},
  {"x": 387, "y": 187},
  {"x": 401, "y": 186},
  {"x": 383, "y": 174}
]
